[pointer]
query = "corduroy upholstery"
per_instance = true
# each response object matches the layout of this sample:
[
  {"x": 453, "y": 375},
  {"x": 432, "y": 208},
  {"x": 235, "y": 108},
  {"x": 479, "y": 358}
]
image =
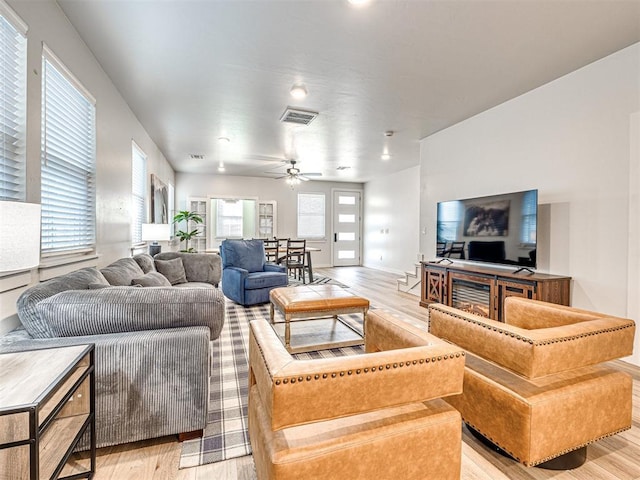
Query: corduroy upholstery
[
  {"x": 152, "y": 344},
  {"x": 536, "y": 386},
  {"x": 377, "y": 415}
]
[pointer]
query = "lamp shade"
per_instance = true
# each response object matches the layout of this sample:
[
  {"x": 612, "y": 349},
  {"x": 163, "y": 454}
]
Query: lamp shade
[
  {"x": 19, "y": 236},
  {"x": 155, "y": 232}
]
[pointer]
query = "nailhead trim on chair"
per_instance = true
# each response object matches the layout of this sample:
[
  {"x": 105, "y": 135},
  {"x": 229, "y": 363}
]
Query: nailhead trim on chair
[
  {"x": 529, "y": 340},
  {"x": 358, "y": 371}
]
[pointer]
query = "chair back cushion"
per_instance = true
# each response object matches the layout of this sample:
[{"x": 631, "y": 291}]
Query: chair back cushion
[{"x": 246, "y": 254}]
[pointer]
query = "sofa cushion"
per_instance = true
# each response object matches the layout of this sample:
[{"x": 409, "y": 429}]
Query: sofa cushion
[
  {"x": 122, "y": 271},
  {"x": 145, "y": 261},
  {"x": 27, "y": 302},
  {"x": 151, "y": 279},
  {"x": 128, "y": 309},
  {"x": 172, "y": 269}
]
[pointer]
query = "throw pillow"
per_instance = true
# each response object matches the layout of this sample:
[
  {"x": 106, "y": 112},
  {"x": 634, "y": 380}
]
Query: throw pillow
[
  {"x": 173, "y": 270},
  {"x": 122, "y": 271},
  {"x": 97, "y": 286},
  {"x": 152, "y": 279},
  {"x": 145, "y": 261}
]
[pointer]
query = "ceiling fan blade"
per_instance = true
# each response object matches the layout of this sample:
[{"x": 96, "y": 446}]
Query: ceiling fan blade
[
  {"x": 303, "y": 178},
  {"x": 314, "y": 174}
]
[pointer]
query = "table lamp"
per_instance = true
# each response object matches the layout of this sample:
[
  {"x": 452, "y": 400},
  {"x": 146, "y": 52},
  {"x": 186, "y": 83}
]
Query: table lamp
[
  {"x": 19, "y": 236},
  {"x": 155, "y": 232}
]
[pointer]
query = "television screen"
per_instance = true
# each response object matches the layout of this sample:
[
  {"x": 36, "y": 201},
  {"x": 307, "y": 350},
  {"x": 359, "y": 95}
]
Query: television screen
[{"x": 496, "y": 229}]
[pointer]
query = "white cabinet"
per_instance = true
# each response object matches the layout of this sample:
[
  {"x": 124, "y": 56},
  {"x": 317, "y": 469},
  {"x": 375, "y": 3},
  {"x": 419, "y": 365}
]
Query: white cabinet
[
  {"x": 198, "y": 205},
  {"x": 267, "y": 219}
]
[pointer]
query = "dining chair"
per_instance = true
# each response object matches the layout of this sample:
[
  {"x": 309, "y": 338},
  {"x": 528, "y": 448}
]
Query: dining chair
[
  {"x": 295, "y": 258},
  {"x": 271, "y": 250}
]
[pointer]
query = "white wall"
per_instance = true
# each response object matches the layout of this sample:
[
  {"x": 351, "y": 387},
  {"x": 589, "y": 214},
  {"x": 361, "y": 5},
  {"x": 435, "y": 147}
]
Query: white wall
[
  {"x": 116, "y": 127},
  {"x": 572, "y": 139},
  {"x": 266, "y": 189},
  {"x": 392, "y": 221}
]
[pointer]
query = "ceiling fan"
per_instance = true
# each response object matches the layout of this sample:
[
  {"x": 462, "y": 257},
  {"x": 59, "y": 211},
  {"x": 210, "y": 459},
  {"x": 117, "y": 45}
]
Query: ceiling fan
[{"x": 294, "y": 175}]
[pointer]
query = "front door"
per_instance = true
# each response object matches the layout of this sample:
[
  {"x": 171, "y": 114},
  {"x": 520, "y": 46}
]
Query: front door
[{"x": 346, "y": 227}]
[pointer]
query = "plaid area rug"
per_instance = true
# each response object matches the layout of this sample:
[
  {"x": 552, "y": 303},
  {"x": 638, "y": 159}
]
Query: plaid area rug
[
  {"x": 317, "y": 280},
  {"x": 226, "y": 434}
]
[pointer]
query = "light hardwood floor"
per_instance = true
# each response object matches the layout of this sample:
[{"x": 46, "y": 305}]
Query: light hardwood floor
[{"x": 617, "y": 457}]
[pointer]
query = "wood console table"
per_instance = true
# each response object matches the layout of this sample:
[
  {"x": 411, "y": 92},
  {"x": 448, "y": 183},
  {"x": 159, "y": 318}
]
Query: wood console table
[
  {"x": 47, "y": 404},
  {"x": 482, "y": 290}
]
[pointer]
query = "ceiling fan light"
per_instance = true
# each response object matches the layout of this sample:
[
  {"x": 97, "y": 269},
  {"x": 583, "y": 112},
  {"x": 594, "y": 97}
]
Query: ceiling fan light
[
  {"x": 298, "y": 91},
  {"x": 359, "y": 3}
]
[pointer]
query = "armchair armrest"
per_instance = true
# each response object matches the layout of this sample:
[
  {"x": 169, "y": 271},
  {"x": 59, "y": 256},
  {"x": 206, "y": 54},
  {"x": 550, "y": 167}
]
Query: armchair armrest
[
  {"x": 538, "y": 352},
  {"x": 272, "y": 267},
  {"x": 126, "y": 309},
  {"x": 296, "y": 392}
]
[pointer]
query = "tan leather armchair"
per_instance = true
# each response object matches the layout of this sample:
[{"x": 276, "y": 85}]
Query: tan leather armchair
[
  {"x": 537, "y": 386},
  {"x": 377, "y": 415}
]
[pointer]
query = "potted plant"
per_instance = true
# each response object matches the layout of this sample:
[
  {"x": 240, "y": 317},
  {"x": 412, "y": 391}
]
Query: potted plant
[{"x": 186, "y": 235}]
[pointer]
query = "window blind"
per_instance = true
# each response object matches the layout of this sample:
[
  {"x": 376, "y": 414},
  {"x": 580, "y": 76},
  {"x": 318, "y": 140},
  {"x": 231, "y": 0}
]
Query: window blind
[
  {"x": 229, "y": 218},
  {"x": 13, "y": 82},
  {"x": 68, "y": 161},
  {"x": 138, "y": 189},
  {"x": 311, "y": 215}
]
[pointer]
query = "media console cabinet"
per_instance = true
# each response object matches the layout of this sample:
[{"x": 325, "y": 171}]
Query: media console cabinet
[{"x": 482, "y": 290}]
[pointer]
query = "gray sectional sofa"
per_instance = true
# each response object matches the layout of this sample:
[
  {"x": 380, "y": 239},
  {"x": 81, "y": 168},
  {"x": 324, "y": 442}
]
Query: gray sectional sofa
[{"x": 152, "y": 342}]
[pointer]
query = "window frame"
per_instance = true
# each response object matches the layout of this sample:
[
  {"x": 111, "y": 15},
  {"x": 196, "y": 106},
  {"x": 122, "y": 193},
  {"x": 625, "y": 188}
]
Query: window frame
[
  {"x": 301, "y": 216},
  {"x": 139, "y": 161},
  {"x": 66, "y": 231},
  {"x": 13, "y": 107}
]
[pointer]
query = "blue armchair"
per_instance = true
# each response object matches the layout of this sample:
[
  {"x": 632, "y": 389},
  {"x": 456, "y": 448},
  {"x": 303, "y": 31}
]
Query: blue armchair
[{"x": 247, "y": 278}]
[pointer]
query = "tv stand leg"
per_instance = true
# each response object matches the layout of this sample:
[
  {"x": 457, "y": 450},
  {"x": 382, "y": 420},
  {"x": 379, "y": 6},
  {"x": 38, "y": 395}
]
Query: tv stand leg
[{"x": 524, "y": 269}]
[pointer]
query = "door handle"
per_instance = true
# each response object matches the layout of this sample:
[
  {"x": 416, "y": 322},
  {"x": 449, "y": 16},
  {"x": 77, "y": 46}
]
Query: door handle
[{"x": 335, "y": 237}]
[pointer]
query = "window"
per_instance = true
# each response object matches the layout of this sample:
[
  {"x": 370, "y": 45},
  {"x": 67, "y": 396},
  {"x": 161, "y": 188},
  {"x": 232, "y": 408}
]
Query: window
[
  {"x": 234, "y": 217},
  {"x": 13, "y": 82},
  {"x": 311, "y": 220},
  {"x": 138, "y": 190},
  {"x": 68, "y": 161}
]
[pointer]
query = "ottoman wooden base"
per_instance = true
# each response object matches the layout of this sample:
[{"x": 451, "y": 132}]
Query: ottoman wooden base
[{"x": 313, "y": 303}]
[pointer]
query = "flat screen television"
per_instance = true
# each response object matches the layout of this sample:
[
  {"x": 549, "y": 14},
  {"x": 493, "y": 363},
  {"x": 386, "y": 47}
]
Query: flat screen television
[{"x": 499, "y": 229}]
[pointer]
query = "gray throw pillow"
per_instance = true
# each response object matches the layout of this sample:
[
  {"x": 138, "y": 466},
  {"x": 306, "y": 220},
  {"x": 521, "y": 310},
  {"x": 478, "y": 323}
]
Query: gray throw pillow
[
  {"x": 152, "y": 279},
  {"x": 122, "y": 271},
  {"x": 172, "y": 269},
  {"x": 145, "y": 261}
]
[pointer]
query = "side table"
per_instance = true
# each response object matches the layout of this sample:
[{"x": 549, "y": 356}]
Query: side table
[{"x": 47, "y": 404}]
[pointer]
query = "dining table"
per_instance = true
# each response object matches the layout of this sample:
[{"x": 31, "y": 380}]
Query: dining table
[{"x": 307, "y": 251}]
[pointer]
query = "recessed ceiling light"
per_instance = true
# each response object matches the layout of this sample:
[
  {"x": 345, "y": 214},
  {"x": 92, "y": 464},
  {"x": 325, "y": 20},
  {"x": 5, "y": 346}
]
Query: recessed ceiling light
[
  {"x": 298, "y": 91},
  {"x": 385, "y": 156},
  {"x": 221, "y": 167},
  {"x": 359, "y": 3},
  {"x": 223, "y": 140}
]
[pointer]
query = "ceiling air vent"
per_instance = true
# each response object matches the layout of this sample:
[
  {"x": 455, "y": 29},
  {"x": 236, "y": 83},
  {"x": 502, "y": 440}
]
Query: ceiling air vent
[
  {"x": 196, "y": 156},
  {"x": 299, "y": 117}
]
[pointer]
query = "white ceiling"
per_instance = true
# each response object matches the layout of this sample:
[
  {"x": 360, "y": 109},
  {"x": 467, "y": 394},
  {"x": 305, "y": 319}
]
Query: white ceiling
[{"x": 195, "y": 70}]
